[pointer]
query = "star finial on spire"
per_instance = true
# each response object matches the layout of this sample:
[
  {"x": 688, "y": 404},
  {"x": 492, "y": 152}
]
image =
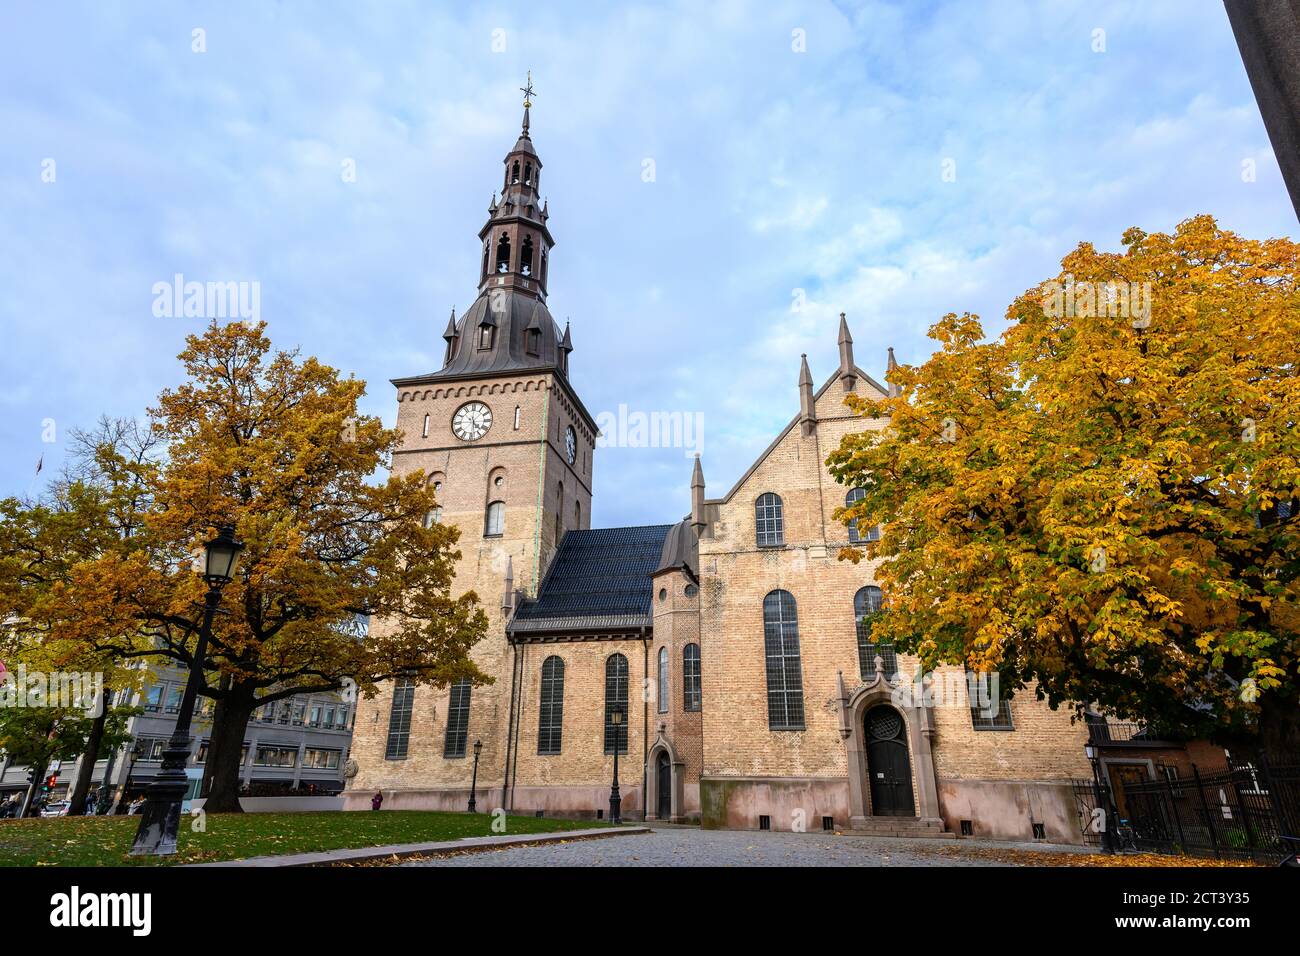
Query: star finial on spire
[{"x": 527, "y": 90}]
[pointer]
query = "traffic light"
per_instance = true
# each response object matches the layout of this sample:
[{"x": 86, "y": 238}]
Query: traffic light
[{"x": 50, "y": 781}]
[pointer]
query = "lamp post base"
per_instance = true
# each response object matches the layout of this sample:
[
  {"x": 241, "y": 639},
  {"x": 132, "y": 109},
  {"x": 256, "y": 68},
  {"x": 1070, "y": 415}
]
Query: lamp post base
[{"x": 160, "y": 818}]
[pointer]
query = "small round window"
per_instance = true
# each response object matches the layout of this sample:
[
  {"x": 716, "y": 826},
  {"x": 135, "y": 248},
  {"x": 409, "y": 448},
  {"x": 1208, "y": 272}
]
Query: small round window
[
  {"x": 499, "y": 481},
  {"x": 692, "y": 590},
  {"x": 663, "y": 594}
]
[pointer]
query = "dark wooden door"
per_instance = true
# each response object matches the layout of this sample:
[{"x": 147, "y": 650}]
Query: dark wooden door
[
  {"x": 888, "y": 765},
  {"x": 664, "y": 773}
]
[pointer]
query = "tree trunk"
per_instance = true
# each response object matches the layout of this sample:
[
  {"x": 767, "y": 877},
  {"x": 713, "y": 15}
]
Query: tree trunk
[
  {"x": 32, "y": 788},
  {"x": 86, "y": 770},
  {"x": 218, "y": 707},
  {"x": 229, "y": 721}
]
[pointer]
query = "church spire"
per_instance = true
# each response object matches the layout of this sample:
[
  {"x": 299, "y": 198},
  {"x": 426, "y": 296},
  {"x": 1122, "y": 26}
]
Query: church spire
[
  {"x": 451, "y": 335},
  {"x": 848, "y": 371},
  {"x": 891, "y": 365},
  {"x": 697, "y": 498},
  {"x": 516, "y": 241},
  {"x": 807, "y": 410}
]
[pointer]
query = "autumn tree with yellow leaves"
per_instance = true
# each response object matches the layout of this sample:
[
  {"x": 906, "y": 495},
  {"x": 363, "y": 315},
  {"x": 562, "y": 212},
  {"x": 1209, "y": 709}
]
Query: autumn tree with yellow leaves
[
  {"x": 273, "y": 444},
  {"x": 1102, "y": 501}
]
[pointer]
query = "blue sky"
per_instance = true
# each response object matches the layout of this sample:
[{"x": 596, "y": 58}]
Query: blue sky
[{"x": 774, "y": 170}]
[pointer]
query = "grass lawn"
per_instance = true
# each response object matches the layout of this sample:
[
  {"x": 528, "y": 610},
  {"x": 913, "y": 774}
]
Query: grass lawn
[{"x": 106, "y": 841}]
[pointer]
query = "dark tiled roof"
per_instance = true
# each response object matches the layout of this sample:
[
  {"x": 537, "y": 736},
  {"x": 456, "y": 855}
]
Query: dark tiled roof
[
  {"x": 599, "y": 580},
  {"x": 681, "y": 550},
  {"x": 512, "y": 313}
]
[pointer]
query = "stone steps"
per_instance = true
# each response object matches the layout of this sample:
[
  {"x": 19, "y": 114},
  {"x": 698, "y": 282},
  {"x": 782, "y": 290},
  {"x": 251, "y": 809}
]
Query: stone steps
[{"x": 900, "y": 827}]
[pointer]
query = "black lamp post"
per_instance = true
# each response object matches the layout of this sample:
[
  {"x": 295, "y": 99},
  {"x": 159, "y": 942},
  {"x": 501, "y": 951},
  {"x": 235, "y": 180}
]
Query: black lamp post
[
  {"x": 1102, "y": 796},
  {"x": 161, "y": 817},
  {"x": 473, "y": 783},
  {"x": 615, "y": 799}
]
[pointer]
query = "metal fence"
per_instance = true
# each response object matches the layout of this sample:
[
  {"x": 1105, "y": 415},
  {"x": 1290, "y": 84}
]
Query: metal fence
[{"x": 1241, "y": 813}]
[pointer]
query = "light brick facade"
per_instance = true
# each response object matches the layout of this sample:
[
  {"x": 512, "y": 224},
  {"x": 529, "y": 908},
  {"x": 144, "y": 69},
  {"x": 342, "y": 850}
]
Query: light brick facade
[{"x": 721, "y": 763}]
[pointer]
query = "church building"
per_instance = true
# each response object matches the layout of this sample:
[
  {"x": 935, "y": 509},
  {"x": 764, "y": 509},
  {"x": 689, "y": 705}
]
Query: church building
[{"x": 726, "y": 655}]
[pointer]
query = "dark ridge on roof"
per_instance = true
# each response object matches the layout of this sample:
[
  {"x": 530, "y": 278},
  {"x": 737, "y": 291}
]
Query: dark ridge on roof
[{"x": 599, "y": 579}]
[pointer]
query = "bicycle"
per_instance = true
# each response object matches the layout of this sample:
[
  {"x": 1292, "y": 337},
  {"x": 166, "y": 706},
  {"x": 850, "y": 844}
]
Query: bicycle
[{"x": 1293, "y": 858}]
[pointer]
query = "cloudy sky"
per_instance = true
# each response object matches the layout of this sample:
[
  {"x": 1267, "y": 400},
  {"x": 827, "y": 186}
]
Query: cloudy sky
[{"x": 794, "y": 146}]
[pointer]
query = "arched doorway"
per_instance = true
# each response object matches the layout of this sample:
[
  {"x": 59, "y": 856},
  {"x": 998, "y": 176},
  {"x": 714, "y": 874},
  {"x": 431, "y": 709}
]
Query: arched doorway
[
  {"x": 664, "y": 781},
  {"x": 889, "y": 768}
]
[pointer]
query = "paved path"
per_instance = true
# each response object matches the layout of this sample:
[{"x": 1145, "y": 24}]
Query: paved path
[{"x": 691, "y": 847}]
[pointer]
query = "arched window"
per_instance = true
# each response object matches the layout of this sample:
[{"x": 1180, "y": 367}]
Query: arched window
[
  {"x": 487, "y": 252},
  {"x": 457, "y": 719},
  {"x": 526, "y": 256},
  {"x": 769, "y": 520},
  {"x": 496, "y": 520},
  {"x": 543, "y": 270},
  {"x": 503, "y": 253},
  {"x": 866, "y": 605},
  {"x": 663, "y": 680},
  {"x": 784, "y": 672},
  {"x": 691, "y": 695},
  {"x": 434, "y": 514},
  {"x": 577, "y": 514},
  {"x": 399, "y": 719},
  {"x": 528, "y": 174},
  {"x": 517, "y": 417},
  {"x": 514, "y": 172},
  {"x": 551, "y": 720},
  {"x": 424, "y": 433},
  {"x": 615, "y": 696},
  {"x": 855, "y": 536}
]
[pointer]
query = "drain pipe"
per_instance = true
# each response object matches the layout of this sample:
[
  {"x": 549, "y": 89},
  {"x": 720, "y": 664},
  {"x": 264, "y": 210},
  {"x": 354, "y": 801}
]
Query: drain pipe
[
  {"x": 645, "y": 723},
  {"x": 505, "y": 768}
]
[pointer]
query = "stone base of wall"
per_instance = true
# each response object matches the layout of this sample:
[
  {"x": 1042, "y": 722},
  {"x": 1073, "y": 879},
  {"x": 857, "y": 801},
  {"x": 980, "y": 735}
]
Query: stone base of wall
[
  {"x": 579, "y": 803},
  {"x": 1008, "y": 809},
  {"x": 736, "y": 803}
]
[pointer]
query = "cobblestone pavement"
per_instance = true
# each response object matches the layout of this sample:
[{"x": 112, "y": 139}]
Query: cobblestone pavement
[{"x": 691, "y": 847}]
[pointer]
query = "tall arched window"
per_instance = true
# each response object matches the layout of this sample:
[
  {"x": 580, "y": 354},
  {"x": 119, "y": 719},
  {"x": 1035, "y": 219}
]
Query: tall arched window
[
  {"x": 528, "y": 174},
  {"x": 434, "y": 514},
  {"x": 663, "y": 680},
  {"x": 615, "y": 696},
  {"x": 496, "y": 520},
  {"x": 503, "y": 253},
  {"x": 577, "y": 514},
  {"x": 457, "y": 719},
  {"x": 769, "y": 520},
  {"x": 856, "y": 536},
  {"x": 514, "y": 172},
  {"x": 551, "y": 720},
  {"x": 399, "y": 719},
  {"x": 691, "y": 695},
  {"x": 526, "y": 256},
  {"x": 866, "y": 605},
  {"x": 784, "y": 672},
  {"x": 424, "y": 432}
]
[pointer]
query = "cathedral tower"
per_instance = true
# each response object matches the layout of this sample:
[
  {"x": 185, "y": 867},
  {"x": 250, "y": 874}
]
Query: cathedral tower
[{"x": 507, "y": 446}]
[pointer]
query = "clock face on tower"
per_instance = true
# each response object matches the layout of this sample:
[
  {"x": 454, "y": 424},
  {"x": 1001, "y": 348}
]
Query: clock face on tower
[
  {"x": 570, "y": 444},
  {"x": 471, "y": 421}
]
